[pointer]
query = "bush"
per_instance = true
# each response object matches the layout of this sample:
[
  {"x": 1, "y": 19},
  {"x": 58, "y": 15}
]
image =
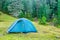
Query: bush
[
  {"x": 43, "y": 20},
  {"x": 21, "y": 15}
]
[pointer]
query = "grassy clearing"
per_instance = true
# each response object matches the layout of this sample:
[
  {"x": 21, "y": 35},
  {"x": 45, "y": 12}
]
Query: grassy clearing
[
  {"x": 5, "y": 17},
  {"x": 45, "y": 32}
]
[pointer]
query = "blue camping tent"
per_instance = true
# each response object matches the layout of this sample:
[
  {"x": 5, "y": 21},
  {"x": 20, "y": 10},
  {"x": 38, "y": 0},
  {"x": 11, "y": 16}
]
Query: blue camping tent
[{"x": 22, "y": 25}]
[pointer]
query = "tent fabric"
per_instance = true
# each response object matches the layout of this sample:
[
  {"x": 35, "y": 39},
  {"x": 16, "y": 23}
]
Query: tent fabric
[{"x": 22, "y": 25}]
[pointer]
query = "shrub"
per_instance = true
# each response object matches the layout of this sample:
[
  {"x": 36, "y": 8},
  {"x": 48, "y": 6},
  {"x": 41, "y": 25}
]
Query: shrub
[{"x": 43, "y": 20}]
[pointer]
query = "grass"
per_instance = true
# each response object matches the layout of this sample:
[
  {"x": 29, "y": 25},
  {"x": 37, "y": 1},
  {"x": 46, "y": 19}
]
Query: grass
[
  {"x": 5, "y": 17},
  {"x": 45, "y": 32}
]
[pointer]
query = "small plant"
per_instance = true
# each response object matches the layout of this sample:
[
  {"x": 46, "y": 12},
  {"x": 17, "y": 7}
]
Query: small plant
[
  {"x": 43, "y": 20},
  {"x": 56, "y": 23}
]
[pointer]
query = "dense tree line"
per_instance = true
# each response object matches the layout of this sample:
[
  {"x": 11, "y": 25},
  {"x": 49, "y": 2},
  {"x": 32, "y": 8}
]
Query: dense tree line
[{"x": 43, "y": 10}]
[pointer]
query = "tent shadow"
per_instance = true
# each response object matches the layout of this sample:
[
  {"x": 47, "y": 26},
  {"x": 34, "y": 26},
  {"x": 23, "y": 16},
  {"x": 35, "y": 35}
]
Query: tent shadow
[{"x": 21, "y": 32}]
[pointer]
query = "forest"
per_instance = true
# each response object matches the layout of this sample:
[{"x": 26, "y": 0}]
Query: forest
[{"x": 41, "y": 10}]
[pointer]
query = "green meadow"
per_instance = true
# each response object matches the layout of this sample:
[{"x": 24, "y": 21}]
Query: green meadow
[{"x": 45, "y": 32}]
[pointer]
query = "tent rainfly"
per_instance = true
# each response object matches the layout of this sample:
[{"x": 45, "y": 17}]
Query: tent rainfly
[{"x": 22, "y": 25}]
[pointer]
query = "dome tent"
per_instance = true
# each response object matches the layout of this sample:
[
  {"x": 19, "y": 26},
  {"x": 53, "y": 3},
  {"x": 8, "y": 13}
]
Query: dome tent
[{"x": 22, "y": 25}]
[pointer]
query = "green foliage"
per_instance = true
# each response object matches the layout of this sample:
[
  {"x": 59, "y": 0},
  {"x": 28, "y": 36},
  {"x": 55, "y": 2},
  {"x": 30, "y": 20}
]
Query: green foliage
[
  {"x": 44, "y": 10},
  {"x": 54, "y": 20},
  {"x": 43, "y": 20},
  {"x": 29, "y": 16},
  {"x": 21, "y": 15}
]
